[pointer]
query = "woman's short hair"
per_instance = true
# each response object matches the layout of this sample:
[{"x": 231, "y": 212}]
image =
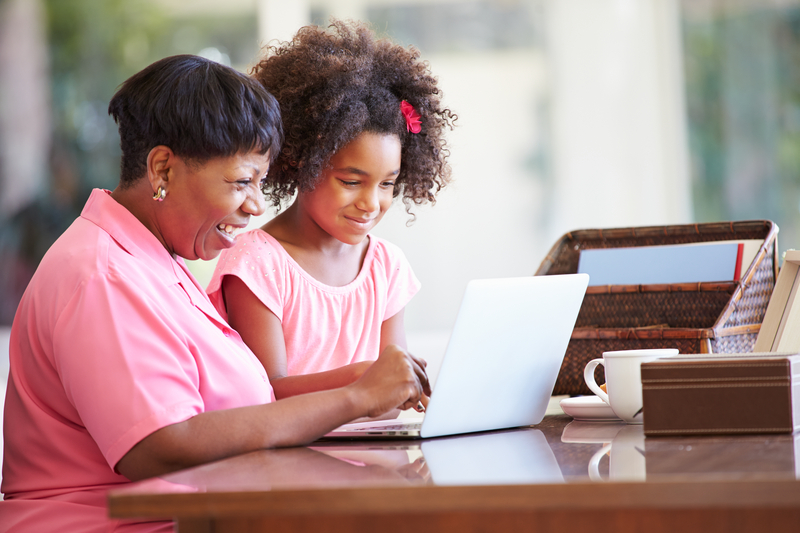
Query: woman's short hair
[
  {"x": 200, "y": 109},
  {"x": 334, "y": 84}
]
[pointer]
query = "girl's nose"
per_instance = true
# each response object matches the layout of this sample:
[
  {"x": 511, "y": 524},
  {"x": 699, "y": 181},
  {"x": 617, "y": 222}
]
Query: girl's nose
[{"x": 369, "y": 201}]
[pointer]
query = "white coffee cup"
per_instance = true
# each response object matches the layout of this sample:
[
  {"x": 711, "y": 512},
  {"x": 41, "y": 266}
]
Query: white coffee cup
[{"x": 623, "y": 380}]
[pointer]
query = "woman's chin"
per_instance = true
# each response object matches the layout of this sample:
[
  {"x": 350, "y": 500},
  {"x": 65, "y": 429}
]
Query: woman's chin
[
  {"x": 208, "y": 255},
  {"x": 209, "y": 252}
]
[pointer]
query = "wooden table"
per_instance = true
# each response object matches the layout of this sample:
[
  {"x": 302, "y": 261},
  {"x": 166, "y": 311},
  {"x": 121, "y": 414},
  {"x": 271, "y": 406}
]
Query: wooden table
[{"x": 562, "y": 475}]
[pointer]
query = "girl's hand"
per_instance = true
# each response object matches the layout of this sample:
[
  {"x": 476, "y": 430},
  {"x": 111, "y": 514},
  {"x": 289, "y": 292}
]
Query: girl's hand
[{"x": 395, "y": 379}]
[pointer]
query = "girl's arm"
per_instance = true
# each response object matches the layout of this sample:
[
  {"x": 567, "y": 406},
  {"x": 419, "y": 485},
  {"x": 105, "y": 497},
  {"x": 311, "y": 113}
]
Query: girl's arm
[
  {"x": 261, "y": 330},
  {"x": 393, "y": 331},
  {"x": 395, "y": 379}
]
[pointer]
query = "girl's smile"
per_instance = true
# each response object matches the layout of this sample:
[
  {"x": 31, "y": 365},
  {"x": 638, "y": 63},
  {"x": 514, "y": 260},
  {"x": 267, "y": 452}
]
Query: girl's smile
[{"x": 356, "y": 189}]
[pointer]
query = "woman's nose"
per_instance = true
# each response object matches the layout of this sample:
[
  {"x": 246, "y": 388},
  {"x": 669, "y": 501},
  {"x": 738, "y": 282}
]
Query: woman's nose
[{"x": 255, "y": 204}]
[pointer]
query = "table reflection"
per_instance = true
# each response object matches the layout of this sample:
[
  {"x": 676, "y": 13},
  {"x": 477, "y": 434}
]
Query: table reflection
[
  {"x": 560, "y": 474},
  {"x": 624, "y": 454},
  {"x": 521, "y": 456},
  {"x": 505, "y": 458},
  {"x": 560, "y": 450}
]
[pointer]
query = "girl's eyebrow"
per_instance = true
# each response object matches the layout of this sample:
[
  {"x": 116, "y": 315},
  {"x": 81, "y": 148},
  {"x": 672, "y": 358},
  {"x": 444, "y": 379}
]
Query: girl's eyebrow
[
  {"x": 352, "y": 170},
  {"x": 359, "y": 172}
]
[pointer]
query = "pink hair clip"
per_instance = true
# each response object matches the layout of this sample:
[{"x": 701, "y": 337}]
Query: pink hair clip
[{"x": 413, "y": 122}]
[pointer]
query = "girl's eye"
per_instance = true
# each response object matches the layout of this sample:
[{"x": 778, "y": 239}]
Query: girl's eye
[
  {"x": 349, "y": 183},
  {"x": 388, "y": 184}
]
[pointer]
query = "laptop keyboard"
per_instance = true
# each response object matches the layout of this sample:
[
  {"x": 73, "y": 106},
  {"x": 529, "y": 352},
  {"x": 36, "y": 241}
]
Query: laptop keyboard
[{"x": 410, "y": 426}]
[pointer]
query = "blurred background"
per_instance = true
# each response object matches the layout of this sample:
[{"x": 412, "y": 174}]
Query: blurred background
[{"x": 573, "y": 114}]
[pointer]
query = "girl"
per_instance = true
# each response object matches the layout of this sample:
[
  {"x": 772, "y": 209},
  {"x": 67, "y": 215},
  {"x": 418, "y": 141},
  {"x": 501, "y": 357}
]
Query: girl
[{"x": 313, "y": 294}]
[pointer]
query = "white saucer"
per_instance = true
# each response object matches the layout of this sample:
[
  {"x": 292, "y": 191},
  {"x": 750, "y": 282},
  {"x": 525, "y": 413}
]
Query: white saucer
[{"x": 587, "y": 408}]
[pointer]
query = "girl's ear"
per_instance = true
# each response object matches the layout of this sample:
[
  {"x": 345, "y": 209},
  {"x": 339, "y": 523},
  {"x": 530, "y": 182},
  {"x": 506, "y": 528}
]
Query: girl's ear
[{"x": 159, "y": 163}]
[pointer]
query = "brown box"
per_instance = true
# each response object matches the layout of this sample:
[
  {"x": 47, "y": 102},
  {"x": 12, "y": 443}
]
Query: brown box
[
  {"x": 692, "y": 317},
  {"x": 729, "y": 394}
]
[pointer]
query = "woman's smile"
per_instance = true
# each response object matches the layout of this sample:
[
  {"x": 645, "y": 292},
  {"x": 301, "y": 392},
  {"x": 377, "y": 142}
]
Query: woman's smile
[
  {"x": 208, "y": 205},
  {"x": 229, "y": 232}
]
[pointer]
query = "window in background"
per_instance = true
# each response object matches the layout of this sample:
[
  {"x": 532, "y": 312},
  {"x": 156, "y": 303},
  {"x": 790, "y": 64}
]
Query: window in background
[
  {"x": 92, "y": 46},
  {"x": 460, "y": 27},
  {"x": 742, "y": 68}
]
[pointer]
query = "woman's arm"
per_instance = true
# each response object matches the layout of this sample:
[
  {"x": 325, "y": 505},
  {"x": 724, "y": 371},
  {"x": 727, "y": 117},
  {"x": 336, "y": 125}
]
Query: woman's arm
[
  {"x": 261, "y": 330},
  {"x": 396, "y": 379}
]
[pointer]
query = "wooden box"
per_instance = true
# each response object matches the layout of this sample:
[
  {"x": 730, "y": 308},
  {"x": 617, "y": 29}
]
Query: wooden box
[
  {"x": 718, "y": 395},
  {"x": 692, "y": 317}
]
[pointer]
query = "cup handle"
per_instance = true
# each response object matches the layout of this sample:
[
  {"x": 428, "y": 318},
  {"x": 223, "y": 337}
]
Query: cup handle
[
  {"x": 594, "y": 462},
  {"x": 588, "y": 376}
]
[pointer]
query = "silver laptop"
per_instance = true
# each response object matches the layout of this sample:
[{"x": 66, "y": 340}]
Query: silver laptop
[{"x": 501, "y": 362}]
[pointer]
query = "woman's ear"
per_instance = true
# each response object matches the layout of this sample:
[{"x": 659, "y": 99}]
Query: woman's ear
[{"x": 159, "y": 162}]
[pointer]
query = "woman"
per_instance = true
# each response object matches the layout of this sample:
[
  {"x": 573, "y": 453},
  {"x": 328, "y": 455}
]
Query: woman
[{"x": 120, "y": 366}]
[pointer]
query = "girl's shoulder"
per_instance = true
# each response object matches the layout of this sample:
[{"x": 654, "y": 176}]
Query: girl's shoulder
[
  {"x": 254, "y": 252},
  {"x": 252, "y": 241},
  {"x": 380, "y": 247},
  {"x": 386, "y": 255}
]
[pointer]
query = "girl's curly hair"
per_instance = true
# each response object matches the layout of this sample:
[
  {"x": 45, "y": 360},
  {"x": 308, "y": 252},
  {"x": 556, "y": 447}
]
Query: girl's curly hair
[{"x": 332, "y": 86}]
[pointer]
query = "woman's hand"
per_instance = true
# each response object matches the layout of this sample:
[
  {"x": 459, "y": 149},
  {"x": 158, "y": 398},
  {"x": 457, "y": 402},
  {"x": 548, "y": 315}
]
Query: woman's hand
[
  {"x": 357, "y": 370},
  {"x": 395, "y": 379}
]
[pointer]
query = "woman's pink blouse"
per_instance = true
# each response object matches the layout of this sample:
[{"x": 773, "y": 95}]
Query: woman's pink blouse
[{"x": 113, "y": 340}]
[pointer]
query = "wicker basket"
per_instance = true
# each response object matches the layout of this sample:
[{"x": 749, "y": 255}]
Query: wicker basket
[{"x": 693, "y": 317}]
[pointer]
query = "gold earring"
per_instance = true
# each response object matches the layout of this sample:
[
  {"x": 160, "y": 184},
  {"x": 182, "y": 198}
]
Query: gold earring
[{"x": 160, "y": 194}]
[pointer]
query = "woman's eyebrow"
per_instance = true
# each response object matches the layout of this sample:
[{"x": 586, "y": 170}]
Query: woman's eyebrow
[{"x": 251, "y": 165}]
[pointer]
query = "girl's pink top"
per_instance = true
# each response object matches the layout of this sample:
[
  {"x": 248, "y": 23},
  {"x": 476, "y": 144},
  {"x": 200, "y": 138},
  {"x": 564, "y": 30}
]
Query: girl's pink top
[
  {"x": 112, "y": 340},
  {"x": 324, "y": 327}
]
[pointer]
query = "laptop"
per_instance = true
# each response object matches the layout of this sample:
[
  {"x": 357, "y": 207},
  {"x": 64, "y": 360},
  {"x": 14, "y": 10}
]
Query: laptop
[{"x": 501, "y": 362}]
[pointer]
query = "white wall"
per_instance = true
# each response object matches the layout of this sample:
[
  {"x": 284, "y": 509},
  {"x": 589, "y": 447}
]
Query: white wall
[
  {"x": 620, "y": 150},
  {"x": 486, "y": 223}
]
